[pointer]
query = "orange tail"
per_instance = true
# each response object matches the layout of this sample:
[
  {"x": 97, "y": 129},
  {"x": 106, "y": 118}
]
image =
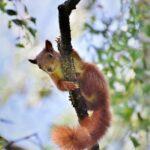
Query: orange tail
[{"x": 86, "y": 135}]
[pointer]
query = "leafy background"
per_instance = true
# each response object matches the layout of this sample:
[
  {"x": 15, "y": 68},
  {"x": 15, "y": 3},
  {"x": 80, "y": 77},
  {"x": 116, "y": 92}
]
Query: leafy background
[{"x": 114, "y": 35}]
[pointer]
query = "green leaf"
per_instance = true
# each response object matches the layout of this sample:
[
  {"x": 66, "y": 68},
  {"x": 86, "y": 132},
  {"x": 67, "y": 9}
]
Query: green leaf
[
  {"x": 2, "y": 5},
  {"x": 32, "y": 31},
  {"x": 9, "y": 24},
  {"x": 11, "y": 12},
  {"x": 19, "y": 22},
  {"x": 125, "y": 111},
  {"x": 3, "y": 142},
  {"x": 143, "y": 122},
  {"x": 135, "y": 54},
  {"x": 25, "y": 9},
  {"x": 128, "y": 112},
  {"x": 147, "y": 30},
  {"x": 91, "y": 29},
  {"x": 44, "y": 92},
  {"x": 93, "y": 19},
  {"x": 33, "y": 20},
  {"x": 19, "y": 45},
  {"x": 146, "y": 88},
  {"x": 134, "y": 141}
]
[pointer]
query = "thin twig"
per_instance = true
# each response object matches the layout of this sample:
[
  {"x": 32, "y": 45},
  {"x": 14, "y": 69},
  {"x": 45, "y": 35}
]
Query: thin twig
[{"x": 9, "y": 145}]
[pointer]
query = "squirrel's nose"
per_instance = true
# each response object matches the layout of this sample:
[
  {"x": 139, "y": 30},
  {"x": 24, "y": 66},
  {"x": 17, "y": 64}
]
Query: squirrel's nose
[{"x": 33, "y": 61}]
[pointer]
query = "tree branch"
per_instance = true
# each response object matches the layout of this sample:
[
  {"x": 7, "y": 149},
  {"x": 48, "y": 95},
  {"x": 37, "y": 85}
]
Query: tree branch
[
  {"x": 68, "y": 68},
  {"x": 11, "y": 145}
]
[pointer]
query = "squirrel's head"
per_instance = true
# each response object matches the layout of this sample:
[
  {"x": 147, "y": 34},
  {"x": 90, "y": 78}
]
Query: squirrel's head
[{"x": 47, "y": 59}]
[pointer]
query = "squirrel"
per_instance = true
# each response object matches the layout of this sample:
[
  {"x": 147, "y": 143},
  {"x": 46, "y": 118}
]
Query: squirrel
[{"x": 94, "y": 89}]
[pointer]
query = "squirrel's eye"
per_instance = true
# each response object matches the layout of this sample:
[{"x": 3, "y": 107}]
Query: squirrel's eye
[{"x": 49, "y": 56}]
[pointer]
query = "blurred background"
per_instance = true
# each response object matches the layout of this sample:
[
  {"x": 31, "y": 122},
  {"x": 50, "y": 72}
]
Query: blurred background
[{"x": 113, "y": 34}]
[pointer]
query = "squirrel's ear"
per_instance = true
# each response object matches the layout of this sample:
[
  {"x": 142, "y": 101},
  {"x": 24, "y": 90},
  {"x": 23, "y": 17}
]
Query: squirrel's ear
[
  {"x": 33, "y": 61},
  {"x": 48, "y": 45}
]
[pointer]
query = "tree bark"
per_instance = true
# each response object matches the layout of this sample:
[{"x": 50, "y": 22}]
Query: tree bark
[{"x": 68, "y": 68}]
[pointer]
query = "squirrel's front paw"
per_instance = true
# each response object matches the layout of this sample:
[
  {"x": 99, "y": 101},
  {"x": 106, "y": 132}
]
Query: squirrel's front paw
[{"x": 70, "y": 85}]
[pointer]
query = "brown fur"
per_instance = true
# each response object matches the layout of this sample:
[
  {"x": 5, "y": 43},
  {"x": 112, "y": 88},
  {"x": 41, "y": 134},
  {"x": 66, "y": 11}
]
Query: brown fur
[
  {"x": 93, "y": 88},
  {"x": 92, "y": 128}
]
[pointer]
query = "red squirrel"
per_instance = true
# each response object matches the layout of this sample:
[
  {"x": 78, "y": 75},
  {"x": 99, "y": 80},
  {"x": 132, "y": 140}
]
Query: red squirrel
[{"x": 93, "y": 88}]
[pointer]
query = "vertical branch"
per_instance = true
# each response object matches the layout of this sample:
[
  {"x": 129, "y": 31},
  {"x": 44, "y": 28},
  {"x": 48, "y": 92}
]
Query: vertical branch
[
  {"x": 65, "y": 49},
  {"x": 68, "y": 68},
  {"x": 65, "y": 10}
]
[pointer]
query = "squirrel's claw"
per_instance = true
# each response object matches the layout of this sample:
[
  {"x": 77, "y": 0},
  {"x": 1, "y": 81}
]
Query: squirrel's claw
[
  {"x": 70, "y": 85},
  {"x": 58, "y": 39}
]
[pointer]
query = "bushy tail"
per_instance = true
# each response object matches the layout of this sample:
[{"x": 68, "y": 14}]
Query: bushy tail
[{"x": 84, "y": 136}]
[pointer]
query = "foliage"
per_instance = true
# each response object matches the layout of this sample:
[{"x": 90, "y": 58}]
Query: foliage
[
  {"x": 19, "y": 19},
  {"x": 122, "y": 58},
  {"x": 2, "y": 142}
]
